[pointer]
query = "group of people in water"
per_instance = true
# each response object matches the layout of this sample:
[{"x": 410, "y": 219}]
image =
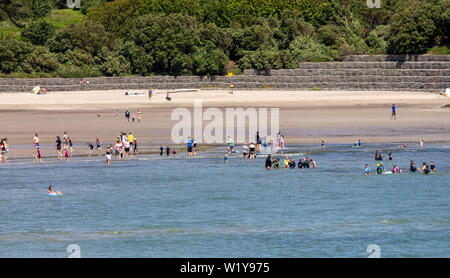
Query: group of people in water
[
  {"x": 290, "y": 163},
  {"x": 425, "y": 169}
]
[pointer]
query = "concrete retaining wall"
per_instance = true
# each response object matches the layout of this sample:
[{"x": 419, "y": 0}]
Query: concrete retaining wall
[{"x": 410, "y": 72}]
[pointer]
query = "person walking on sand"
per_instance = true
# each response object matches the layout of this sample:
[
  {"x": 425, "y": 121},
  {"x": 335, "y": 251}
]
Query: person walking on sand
[
  {"x": 139, "y": 116},
  {"x": 150, "y": 93},
  {"x": 127, "y": 115},
  {"x": 394, "y": 112}
]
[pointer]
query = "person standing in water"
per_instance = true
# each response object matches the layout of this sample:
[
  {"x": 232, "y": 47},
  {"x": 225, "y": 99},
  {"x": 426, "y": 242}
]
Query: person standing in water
[
  {"x": 108, "y": 155},
  {"x": 58, "y": 147},
  {"x": 167, "y": 150},
  {"x": 131, "y": 141},
  {"x": 390, "y": 155},
  {"x": 323, "y": 143},
  {"x": 35, "y": 143},
  {"x": 367, "y": 169},
  {"x": 394, "y": 112},
  {"x": 135, "y": 149},
  {"x": 194, "y": 148},
  {"x": 245, "y": 150},
  {"x": 421, "y": 143},
  {"x": 190, "y": 143},
  {"x": 269, "y": 162},
  {"x": 161, "y": 150},
  {"x": 3, "y": 150}
]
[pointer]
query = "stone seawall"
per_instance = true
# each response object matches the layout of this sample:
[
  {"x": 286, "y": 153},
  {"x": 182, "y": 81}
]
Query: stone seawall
[{"x": 410, "y": 72}]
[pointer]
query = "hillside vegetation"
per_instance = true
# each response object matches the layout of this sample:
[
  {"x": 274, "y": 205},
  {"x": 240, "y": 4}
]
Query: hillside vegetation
[{"x": 208, "y": 37}]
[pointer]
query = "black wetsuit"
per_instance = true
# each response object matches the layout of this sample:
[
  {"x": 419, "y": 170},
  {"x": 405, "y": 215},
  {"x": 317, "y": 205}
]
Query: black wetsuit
[
  {"x": 412, "y": 168},
  {"x": 167, "y": 151},
  {"x": 161, "y": 150}
]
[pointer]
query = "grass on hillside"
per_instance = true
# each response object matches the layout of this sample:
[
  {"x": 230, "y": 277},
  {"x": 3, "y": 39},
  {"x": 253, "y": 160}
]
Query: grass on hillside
[
  {"x": 440, "y": 50},
  {"x": 59, "y": 19}
]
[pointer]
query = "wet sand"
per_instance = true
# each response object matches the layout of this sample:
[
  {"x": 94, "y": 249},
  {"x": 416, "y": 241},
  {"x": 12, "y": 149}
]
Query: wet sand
[{"x": 305, "y": 116}]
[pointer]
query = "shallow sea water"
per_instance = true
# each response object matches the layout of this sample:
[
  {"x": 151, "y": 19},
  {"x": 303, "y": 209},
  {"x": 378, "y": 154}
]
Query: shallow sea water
[{"x": 149, "y": 206}]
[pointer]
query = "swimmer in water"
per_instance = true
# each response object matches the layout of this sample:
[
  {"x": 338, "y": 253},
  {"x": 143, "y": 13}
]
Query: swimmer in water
[
  {"x": 314, "y": 164},
  {"x": 367, "y": 170},
  {"x": 276, "y": 163},
  {"x": 395, "y": 170},
  {"x": 425, "y": 169},
  {"x": 292, "y": 163},
  {"x": 51, "y": 192},
  {"x": 412, "y": 167},
  {"x": 432, "y": 167},
  {"x": 269, "y": 162},
  {"x": 379, "y": 169}
]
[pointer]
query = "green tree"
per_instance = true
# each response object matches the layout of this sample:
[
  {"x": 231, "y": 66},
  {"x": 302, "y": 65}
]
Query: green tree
[
  {"x": 111, "y": 63},
  {"x": 169, "y": 40},
  {"x": 41, "y": 60},
  {"x": 12, "y": 54},
  {"x": 39, "y": 32},
  {"x": 412, "y": 29},
  {"x": 87, "y": 35}
]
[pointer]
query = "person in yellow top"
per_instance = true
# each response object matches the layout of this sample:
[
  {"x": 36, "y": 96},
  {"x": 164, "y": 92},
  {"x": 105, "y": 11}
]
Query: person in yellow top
[
  {"x": 131, "y": 141},
  {"x": 286, "y": 162}
]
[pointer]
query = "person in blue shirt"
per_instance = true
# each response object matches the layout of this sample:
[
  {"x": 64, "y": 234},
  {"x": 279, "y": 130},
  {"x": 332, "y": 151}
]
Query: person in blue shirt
[
  {"x": 190, "y": 142},
  {"x": 393, "y": 112}
]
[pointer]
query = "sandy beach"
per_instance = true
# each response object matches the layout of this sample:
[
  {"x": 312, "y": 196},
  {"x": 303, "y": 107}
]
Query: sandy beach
[{"x": 305, "y": 116}]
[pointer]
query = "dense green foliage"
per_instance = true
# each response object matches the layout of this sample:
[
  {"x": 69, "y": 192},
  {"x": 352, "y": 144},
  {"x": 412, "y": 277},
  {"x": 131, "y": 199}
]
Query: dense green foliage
[{"x": 209, "y": 37}]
